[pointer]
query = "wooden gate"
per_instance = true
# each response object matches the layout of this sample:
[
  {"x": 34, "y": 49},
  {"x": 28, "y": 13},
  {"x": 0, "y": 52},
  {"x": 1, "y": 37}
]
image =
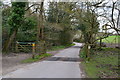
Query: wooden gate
[{"x": 25, "y": 47}]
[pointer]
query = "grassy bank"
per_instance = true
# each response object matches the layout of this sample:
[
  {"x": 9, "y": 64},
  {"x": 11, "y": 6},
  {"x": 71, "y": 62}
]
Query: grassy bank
[
  {"x": 111, "y": 39},
  {"x": 104, "y": 64},
  {"x": 37, "y": 58},
  {"x": 60, "y": 47}
]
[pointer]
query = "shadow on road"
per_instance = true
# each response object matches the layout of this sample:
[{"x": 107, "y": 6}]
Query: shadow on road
[{"x": 64, "y": 59}]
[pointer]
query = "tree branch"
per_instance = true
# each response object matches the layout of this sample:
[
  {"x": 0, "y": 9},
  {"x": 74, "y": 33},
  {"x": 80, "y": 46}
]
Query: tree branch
[{"x": 31, "y": 6}]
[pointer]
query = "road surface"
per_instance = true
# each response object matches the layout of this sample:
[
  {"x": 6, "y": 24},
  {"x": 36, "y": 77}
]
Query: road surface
[{"x": 65, "y": 64}]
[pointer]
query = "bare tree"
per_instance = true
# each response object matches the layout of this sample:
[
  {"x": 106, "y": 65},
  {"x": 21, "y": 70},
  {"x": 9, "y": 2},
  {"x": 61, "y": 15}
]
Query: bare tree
[{"x": 111, "y": 13}]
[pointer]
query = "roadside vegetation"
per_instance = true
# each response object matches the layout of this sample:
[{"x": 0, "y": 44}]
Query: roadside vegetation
[
  {"x": 36, "y": 58},
  {"x": 103, "y": 64}
]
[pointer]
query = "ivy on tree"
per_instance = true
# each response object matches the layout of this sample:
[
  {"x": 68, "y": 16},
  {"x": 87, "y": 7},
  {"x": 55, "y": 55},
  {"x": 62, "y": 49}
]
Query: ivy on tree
[{"x": 15, "y": 19}]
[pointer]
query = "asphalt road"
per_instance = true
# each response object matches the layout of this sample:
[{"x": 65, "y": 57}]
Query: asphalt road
[{"x": 52, "y": 68}]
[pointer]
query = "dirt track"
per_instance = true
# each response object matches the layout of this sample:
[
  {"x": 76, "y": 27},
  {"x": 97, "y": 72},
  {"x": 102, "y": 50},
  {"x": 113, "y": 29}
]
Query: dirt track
[{"x": 13, "y": 61}]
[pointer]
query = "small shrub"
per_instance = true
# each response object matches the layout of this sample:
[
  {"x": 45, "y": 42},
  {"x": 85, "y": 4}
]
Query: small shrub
[{"x": 83, "y": 53}]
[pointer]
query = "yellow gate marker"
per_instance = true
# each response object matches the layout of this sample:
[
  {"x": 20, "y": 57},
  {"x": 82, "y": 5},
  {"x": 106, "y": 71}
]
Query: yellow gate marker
[
  {"x": 33, "y": 47},
  {"x": 33, "y": 44}
]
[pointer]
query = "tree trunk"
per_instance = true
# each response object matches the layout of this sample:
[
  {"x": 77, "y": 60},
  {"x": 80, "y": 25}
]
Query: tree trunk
[
  {"x": 9, "y": 41},
  {"x": 41, "y": 44},
  {"x": 100, "y": 43}
]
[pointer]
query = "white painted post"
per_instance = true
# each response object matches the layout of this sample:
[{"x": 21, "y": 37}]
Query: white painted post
[{"x": 89, "y": 47}]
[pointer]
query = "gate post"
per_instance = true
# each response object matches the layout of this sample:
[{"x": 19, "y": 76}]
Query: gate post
[
  {"x": 33, "y": 50},
  {"x": 33, "y": 47}
]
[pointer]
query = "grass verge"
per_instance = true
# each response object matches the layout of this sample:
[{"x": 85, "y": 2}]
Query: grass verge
[
  {"x": 60, "y": 47},
  {"x": 37, "y": 58},
  {"x": 104, "y": 64}
]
